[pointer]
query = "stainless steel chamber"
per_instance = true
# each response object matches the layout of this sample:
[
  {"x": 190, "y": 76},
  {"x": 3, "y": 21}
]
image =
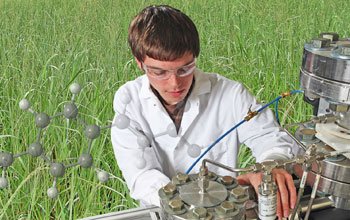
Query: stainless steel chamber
[{"x": 325, "y": 79}]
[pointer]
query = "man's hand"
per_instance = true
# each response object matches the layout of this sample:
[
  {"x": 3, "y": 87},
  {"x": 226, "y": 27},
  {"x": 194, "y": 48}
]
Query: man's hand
[{"x": 286, "y": 195}]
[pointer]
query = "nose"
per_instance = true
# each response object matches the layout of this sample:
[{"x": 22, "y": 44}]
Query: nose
[{"x": 174, "y": 80}]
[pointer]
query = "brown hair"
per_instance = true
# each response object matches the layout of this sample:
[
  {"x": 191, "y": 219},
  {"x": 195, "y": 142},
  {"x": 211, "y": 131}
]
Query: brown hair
[{"x": 162, "y": 33}]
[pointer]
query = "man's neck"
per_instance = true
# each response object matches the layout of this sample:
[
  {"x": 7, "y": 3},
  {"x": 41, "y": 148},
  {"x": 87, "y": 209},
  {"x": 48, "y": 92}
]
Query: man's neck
[{"x": 175, "y": 111}]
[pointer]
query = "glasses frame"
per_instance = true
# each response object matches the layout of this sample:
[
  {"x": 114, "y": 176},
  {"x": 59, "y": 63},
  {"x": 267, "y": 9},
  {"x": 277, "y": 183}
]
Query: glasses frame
[{"x": 167, "y": 73}]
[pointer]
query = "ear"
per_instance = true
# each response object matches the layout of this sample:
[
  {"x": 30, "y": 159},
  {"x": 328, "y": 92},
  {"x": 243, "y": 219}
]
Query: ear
[{"x": 139, "y": 64}]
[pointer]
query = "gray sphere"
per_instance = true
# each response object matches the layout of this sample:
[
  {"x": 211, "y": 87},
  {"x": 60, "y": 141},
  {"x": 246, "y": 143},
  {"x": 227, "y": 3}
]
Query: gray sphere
[
  {"x": 92, "y": 131},
  {"x": 75, "y": 88},
  {"x": 70, "y": 111},
  {"x": 103, "y": 176},
  {"x": 35, "y": 149},
  {"x": 52, "y": 192},
  {"x": 57, "y": 169},
  {"x": 143, "y": 141},
  {"x": 6, "y": 159},
  {"x": 122, "y": 121},
  {"x": 125, "y": 98},
  {"x": 42, "y": 120},
  {"x": 24, "y": 104},
  {"x": 171, "y": 129},
  {"x": 194, "y": 151},
  {"x": 3, "y": 183},
  {"x": 141, "y": 163},
  {"x": 86, "y": 160}
]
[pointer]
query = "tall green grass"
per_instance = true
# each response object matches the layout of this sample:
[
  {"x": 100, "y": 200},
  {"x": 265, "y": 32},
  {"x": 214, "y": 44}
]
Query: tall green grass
[{"x": 45, "y": 45}]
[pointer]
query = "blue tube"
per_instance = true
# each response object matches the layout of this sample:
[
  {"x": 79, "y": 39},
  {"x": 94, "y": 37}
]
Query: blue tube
[{"x": 233, "y": 128}]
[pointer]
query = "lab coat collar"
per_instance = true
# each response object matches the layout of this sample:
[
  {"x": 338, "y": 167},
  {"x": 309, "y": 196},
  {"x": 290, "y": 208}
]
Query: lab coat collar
[{"x": 201, "y": 86}]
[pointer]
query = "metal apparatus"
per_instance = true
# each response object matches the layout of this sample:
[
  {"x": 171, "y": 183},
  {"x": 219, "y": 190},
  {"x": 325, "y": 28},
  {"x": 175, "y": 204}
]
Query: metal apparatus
[
  {"x": 208, "y": 196},
  {"x": 325, "y": 78},
  {"x": 203, "y": 196}
]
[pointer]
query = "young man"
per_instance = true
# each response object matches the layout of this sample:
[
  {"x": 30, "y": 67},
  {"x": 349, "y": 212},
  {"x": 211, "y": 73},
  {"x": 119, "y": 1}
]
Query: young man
[{"x": 176, "y": 111}]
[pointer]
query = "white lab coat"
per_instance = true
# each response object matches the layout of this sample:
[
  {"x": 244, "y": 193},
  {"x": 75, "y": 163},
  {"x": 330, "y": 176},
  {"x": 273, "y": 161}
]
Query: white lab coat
[{"x": 215, "y": 105}]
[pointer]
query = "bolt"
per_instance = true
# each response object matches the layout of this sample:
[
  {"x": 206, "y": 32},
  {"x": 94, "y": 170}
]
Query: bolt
[
  {"x": 320, "y": 42},
  {"x": 306, "y": 134},
  {"x": 227, "y": 206},
  {"x": 176, "y": 205},
  {"x": 330, "y": 35},
  {"x": 227, "y": 180},
  {"x": 182, "y": 178},
  {"x": 345, "y": 50},
  {"x": 200, "y": 212},
  {"x": 169, "y": 189},
  {"x": 238, "y": 192}
]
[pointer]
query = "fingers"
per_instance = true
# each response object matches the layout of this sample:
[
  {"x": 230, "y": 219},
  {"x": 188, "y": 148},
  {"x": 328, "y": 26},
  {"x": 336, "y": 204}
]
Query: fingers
[
  {"x": 283, "y": 195},
  {"x": 286, "y": 195},
  {"x": 244, "y": 179},
  {"x": 279, "y": 206},
  {"x": 292, "y": 191},
  {"x": 253, "y": 179}
]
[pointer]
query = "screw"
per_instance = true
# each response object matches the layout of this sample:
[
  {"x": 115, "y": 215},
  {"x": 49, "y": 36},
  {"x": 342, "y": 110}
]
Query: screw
[
  {"x": 227, "y": 206},
  {"x": 169, "y": 189},
  {"x": 200, "y": 212},
  {"x": 330, "y": 35},
  {"x": 176, "y": 205},
  {"x": 238, "y": 192},
  {"x": 227, "y": 180},
  {"x": 320, "y": 42},
  {"x": 182, "y": 178}
]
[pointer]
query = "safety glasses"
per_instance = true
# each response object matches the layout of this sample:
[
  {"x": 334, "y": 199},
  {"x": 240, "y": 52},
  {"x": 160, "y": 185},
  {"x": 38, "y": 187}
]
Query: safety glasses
[{"x": 163, "y": 74}]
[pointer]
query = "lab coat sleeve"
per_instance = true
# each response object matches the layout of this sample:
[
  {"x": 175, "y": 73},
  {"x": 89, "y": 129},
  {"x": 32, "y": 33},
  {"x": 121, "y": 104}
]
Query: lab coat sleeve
[
  {"x": 262, "y": 134},
  {"x": 143, "y": 179}
]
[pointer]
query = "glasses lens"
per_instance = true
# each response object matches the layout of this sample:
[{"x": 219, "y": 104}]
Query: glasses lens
[
  {"x": 165, "y": 74},
  {"x": 184, "y": 71}
]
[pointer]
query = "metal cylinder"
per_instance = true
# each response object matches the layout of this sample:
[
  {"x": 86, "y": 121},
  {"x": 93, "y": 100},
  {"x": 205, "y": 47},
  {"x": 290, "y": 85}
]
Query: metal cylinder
[{"x": 267, "y": 197}]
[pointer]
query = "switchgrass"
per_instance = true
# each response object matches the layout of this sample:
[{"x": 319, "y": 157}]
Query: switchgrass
[{"x": 45, "y": 45}]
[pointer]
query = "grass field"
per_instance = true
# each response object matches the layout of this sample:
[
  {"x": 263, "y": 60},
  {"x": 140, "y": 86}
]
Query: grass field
[{"x": 45, "y": 45}]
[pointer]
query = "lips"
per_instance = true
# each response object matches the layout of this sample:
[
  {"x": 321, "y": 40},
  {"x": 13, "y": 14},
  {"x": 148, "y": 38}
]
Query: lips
[{"x": 176, "y": 93}]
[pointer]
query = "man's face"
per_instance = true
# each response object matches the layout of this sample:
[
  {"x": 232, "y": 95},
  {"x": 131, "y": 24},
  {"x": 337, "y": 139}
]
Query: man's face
[{"x": 174, "y": 89}]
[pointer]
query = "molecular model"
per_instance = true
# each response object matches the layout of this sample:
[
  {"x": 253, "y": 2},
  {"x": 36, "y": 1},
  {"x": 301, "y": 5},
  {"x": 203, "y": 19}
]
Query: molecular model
[
  {"x": 42, "y": 120},
  {"x": 122, "y": 121}
]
